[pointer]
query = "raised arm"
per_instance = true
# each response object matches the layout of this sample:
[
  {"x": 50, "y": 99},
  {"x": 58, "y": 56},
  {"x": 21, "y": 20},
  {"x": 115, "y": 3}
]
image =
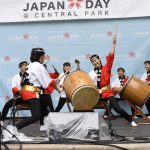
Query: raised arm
[{"x": 114, "y": 45}]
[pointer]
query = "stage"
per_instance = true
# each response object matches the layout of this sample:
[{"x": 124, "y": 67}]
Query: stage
[{"x": 126, "y": 138}]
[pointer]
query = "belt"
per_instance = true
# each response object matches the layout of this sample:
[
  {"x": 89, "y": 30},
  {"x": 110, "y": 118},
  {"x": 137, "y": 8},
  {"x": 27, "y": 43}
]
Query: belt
[
  {"x": 105, "y": 88},
  {"x": 31, "y": 88}
]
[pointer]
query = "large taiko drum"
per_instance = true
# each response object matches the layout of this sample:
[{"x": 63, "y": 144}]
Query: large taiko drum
[
  {"x": 81, "y": 90},
  {"x": 136, "y": 91}
]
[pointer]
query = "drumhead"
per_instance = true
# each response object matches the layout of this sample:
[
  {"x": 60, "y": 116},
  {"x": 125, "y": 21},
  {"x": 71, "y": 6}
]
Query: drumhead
[{"x": 85, "y": 97}]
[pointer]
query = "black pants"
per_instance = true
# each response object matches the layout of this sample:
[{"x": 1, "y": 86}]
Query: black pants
[
  {"x": 148, "y": 105},
  {"x": 35, "y": 113},
  {"x": 9, "y": 104},
  {"x": 114, "y": 104},
  {"x": 132, "y": 110},
  {"x": 46, "y": 103},
  {"x": 61, "y": 103}
]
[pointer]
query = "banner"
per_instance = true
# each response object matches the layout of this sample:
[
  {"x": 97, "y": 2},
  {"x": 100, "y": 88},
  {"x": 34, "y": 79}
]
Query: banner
[
  {"x": 40, "y": 10},
  {"x": 66, "y": 41}
]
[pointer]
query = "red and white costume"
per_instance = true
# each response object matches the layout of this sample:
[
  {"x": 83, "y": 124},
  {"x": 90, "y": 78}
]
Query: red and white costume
[
  {"x": 53, "y": 75},
  {"x": 146, "y": 77},
  {"x": 105, "y": 76},
  {"x": 117, "y": 84},
  {"x": 62, "y": 94},
  {"x": 16, "y": 80},
  {"x": 37, "y": 76}
]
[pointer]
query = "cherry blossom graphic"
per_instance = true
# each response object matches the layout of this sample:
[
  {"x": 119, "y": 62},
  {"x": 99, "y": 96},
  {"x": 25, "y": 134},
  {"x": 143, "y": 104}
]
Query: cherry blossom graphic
[
  {"x": 109, "y": 33},
  {"x": 75, "y": 3},
  {"x": 132, "y": 54},
  {"x": 66, "y": 35},
  {"x": 26, "y": 36},
  {"x": 7, "y": 58},
  {"x": 88, "y": 56}
]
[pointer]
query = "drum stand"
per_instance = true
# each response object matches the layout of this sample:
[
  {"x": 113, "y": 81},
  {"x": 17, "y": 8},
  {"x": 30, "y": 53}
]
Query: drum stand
[
  {"x": 13, "y": 112},
  {"x": 138, "y": 111},
  {"x": 1, "y": 137},
  {"x": 67, "y": 102}
]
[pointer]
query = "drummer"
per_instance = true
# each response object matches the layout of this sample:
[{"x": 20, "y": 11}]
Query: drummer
[
  {"x": 62, "y": 99},
  {"x": 146, "y": 79},
  {"x": 101, "y": 76},
  {"x": 118, "y": 83}
]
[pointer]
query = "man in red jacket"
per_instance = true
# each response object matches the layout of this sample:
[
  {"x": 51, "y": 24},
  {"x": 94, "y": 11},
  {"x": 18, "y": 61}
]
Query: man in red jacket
[{"x": 101, "y": 76}]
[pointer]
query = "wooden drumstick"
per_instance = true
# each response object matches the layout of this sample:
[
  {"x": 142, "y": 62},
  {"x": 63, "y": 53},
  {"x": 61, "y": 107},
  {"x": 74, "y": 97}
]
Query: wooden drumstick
[
  {"x": 65, "y": 72},
  {"x": 77, "y": 63},
  {"x": 115, "y": 32}
]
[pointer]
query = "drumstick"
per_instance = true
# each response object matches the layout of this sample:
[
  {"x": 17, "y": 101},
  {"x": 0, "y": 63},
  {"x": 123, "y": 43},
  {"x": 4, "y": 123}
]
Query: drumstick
[
  {"x": 116, "y": 29},
  {"x": 65, "y": 72},
  {"x": 55, "y": 69}
]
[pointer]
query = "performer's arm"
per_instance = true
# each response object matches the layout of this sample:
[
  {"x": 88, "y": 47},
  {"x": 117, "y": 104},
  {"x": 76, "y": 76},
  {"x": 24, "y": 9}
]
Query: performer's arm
[
  {"x": 144, "y": 77},
  {"x": 114, "y": 87},
  {"x": 114, "y": 45},
  {"x": 54, "y": 75},
  {"x": 15, "y": 89},
  {"x": 44, "y": 79}
]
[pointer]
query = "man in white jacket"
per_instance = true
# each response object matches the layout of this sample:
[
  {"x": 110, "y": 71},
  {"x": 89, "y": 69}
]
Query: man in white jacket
[{"x": 118, "y": 84}]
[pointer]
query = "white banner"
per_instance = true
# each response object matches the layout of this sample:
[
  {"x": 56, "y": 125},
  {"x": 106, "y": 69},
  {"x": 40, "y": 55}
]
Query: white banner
[{"x": 40, "y": 10}]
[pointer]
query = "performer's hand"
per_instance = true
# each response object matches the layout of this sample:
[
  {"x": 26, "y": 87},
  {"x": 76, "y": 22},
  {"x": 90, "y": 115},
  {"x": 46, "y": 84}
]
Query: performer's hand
[
  {"x": 114, "y": 44},
  {"x": 114, "y": 39},
  {"x": 59, "y": 89},
  {"x": 119, "y": 89},
  {"x": 56, "y": 80}
]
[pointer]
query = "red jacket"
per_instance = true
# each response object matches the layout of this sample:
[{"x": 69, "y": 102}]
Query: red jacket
[{"x": 105, "y": 76}]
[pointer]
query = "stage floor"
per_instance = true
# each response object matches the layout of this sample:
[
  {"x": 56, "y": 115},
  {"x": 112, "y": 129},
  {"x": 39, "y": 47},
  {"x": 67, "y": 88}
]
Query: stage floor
[
  {"x": 120, "y": 127},
  {"x": 132, "y": 138}
]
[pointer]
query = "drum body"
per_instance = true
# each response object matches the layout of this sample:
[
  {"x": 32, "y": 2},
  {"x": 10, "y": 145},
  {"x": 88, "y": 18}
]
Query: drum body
[
  {"x": 136, "y": 91},
  {"x": 81, "y": 90}
]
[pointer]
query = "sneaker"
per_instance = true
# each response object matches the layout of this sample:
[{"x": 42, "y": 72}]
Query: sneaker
[
  {"x": 133, "y": 124},
  {"x": 2, "y": 123},
  {"x": 20, "y": 136},
  {"x": 105, "y": 116},
  {"x": 43, "y": 128}
]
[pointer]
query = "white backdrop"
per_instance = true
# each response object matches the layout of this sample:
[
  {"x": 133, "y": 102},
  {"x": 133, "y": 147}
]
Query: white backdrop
[{"x": 70, "y": 40}]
